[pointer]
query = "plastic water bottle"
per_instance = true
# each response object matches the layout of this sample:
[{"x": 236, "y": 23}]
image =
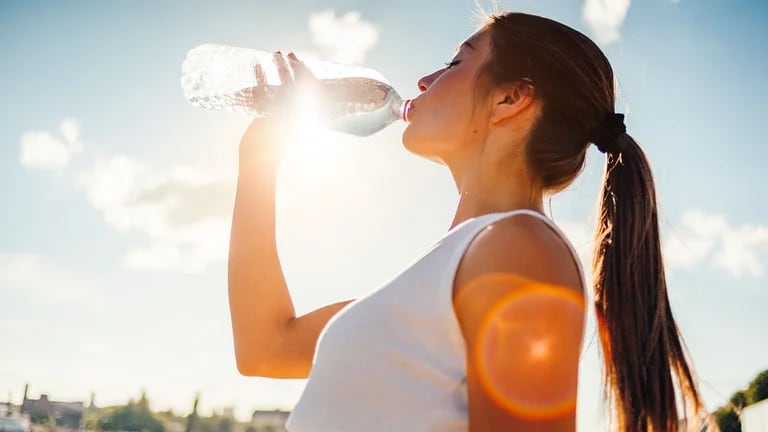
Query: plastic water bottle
[{"x": 351, "y": 99}]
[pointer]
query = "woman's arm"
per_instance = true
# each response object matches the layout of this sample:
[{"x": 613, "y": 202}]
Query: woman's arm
[
  {"x": 519, "y": 302},
  {"x": 269, "y": 339}
]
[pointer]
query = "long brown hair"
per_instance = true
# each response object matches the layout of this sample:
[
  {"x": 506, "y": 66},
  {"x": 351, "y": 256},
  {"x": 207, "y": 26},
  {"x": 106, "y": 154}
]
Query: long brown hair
[{"x": 644, "y": 359}]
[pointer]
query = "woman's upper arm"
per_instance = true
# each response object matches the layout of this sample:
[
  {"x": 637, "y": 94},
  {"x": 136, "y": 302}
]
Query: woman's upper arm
[
  {"x": 294, "y": 347},
  {"x": 521, "y": 310}
]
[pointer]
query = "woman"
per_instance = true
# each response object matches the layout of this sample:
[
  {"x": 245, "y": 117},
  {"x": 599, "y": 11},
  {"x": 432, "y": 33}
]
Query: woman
[{"x": 483, "y": 332}]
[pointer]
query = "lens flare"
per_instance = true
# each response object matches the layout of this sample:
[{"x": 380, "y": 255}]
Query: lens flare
[
  {"x": 319, "y": 167},
  {"x": 302, "y": 119},
  {"x": 526, "y": 355},
  {"x": 311, "y": 154}
]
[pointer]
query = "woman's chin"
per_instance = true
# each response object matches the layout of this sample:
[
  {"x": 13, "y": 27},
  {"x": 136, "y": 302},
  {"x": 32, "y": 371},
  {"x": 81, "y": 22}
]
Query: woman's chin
[
  {"x": 412, "y": 141},
  {"x": 419, "y": 146}
]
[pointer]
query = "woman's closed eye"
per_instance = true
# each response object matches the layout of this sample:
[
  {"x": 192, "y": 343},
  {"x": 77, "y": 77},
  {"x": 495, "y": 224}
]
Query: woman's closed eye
[{"x": 452, "y": 64}]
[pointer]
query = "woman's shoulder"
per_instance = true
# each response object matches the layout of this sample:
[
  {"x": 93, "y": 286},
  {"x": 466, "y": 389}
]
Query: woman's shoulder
[
  {"x": 520, "y": 245},
  {"x": 518, "y": 302}
]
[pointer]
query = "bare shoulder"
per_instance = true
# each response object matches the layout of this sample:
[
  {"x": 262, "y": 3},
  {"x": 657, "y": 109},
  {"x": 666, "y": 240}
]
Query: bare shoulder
[
  {"x": 513, "y": 255},
  {"x": 520, "y": 245},
  {"x": 518, "y": 300}
]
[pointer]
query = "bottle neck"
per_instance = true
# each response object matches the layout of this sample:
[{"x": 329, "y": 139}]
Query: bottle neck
[{"x": 400, "y": 108}]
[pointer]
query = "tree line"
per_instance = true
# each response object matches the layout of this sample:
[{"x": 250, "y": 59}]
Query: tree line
[
  {"x": 728, "y": 415},
  {"x": 136, "y": 416}
]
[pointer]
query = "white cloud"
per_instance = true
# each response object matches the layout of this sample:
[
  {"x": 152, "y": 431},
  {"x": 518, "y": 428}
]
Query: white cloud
[
  {"x": 741, "y": 250},
  {"x": 700, "y": 239},
  {"x": 686, "y": 251},
  {"x": 694, "y": 243},
  {"x": 709, "y": 238},
  {"x": 346, "y": 38},
  {"x": 604, "y": 18},
  {"x": 183, "y": 213},
  {"x": 70, "y": 130},
  {"x": 41, "y": 150}
]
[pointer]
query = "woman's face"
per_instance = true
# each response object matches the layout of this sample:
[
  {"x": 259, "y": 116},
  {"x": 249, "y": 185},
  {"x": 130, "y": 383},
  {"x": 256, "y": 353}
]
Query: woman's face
[{"x": 443, "y": 118}]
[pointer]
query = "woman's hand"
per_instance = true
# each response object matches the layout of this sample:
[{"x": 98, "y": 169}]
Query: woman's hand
[{"x": 262, "y": 138}]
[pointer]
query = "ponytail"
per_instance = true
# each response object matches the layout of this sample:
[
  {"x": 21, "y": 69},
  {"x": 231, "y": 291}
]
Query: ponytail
[
  {"x": 642, "y": 349},
  {"x": 646, "y": 371}
]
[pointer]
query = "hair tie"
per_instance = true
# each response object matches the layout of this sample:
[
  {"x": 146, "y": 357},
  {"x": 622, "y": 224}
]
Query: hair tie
[{"x": 606, "y": 136}]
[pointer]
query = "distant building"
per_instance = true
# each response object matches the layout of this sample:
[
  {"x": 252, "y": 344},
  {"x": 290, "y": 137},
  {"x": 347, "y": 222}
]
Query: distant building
[
  {"x": 11, "y": 420},
  {"x": 269, "y": 420},
  {"x": 175, "y": 425},
  {"x": 65, "y": 414},
  {"x": 754, "y": 418}
]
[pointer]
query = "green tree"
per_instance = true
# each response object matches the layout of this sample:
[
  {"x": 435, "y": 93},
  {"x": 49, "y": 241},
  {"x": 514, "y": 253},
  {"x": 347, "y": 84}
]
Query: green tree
[
  {"x": 214, "y": 423},
  {"x": 134, "y": 417},
  {"x": 739, "y": 400},
  {"x": 91, "y": 418},
  {"x": 143, "y": 403},
  {"x": 727, "y": 420},
  {"x": 758, "y": 388},
  {"x": 193, "y": 418}
]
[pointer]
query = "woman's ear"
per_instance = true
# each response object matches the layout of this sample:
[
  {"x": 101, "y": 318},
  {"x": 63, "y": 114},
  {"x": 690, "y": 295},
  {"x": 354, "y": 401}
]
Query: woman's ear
[{"x": 511, "y": 100}]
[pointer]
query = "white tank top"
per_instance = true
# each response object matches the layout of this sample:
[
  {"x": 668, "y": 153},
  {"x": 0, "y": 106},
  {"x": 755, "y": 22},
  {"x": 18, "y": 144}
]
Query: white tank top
[{"x": 395, "y": 359}]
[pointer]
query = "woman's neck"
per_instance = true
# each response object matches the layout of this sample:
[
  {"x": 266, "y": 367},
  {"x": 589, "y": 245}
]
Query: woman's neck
[{"x": 488, "y": 188}]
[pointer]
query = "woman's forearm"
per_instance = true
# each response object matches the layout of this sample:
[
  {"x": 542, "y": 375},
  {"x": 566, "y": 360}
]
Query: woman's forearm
[{"x": 260, "y": 303}]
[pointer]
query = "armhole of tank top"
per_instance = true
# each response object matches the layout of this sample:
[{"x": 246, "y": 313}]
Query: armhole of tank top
[{"x": 456, "y": 334}]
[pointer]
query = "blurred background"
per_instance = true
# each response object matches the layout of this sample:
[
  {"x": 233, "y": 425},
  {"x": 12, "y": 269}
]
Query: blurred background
[{"x": 117, "y": 193}]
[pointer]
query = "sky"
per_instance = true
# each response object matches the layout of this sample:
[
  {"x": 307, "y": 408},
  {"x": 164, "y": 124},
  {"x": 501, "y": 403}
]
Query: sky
[{"x": 117, "y": 193}]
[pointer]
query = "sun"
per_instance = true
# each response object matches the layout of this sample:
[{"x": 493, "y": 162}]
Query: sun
[{"x": 315, "y": 157}]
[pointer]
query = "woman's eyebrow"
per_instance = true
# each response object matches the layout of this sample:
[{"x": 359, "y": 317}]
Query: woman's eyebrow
[{"x": 458, "y": 48}]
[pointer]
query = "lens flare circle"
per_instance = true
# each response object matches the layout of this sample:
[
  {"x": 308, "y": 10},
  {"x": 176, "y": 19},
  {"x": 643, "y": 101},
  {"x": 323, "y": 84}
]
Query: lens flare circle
[{"x": 528, "y": 348}]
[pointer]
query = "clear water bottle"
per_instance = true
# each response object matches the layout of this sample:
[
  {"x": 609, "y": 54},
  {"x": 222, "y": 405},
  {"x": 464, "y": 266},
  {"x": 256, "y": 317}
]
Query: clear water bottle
[{"x": 351, "y": 99}]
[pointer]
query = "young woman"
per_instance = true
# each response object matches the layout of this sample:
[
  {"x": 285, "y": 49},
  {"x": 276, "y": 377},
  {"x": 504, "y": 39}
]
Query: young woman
[{"x": 483, "y": 332}]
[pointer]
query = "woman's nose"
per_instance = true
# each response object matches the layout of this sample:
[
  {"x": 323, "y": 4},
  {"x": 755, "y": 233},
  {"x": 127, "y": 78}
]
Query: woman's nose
[
  {"x": 423, "y": 84},
  {"x": 426, "y": 81}
]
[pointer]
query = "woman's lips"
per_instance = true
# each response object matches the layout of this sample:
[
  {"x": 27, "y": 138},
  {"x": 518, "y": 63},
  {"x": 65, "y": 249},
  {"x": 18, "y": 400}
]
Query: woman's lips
[{"x": 409, "y": 110}]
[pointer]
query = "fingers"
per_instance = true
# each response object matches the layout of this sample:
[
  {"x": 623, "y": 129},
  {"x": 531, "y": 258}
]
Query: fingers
[
  {"x": 301, "y": 72},
  {"x": 283, "y": 70},
  {"x": 295, "y": 79},
  {"x": 258, "y": 72}
]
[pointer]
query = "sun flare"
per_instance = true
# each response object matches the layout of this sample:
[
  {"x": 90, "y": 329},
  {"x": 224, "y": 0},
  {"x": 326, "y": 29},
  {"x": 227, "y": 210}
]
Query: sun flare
[{"x": 315, "y": 159}]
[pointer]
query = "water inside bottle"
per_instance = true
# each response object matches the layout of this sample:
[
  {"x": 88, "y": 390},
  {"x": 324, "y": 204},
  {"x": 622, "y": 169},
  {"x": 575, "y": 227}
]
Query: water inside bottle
[{"x": 360, "y": 106}]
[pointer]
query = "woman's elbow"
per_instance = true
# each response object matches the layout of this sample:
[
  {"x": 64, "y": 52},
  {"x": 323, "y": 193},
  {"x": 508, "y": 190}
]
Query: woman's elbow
[
  {"x": 247, "y": 368},
  {"x": 250, "y": 362},
  {"x": 258, "y": 363},
  {"x": 254, "y": 366}
]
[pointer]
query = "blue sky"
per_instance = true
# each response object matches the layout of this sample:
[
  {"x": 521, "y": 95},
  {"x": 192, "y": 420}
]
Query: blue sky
[{"x": 118, "y": 192}]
